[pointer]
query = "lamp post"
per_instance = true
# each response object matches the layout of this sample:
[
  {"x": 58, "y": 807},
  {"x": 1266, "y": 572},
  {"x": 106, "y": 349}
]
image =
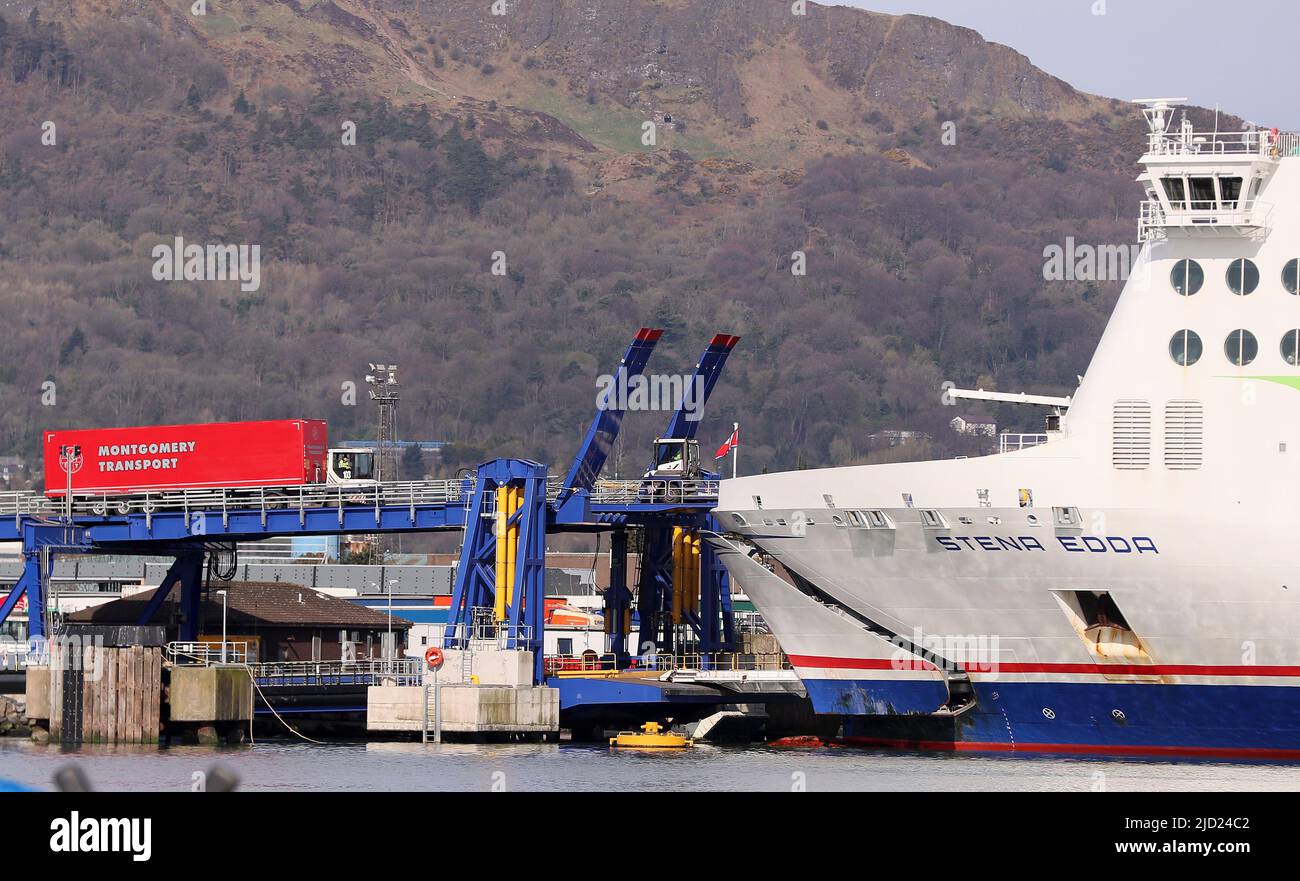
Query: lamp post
[
  {"x": 392, "y": 645},
  {"x": 388, "y": 587},
  {"x": 222, "y": 594}
]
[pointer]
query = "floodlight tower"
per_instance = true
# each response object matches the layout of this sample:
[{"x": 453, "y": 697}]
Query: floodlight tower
[{"x": 382, "y": 380}]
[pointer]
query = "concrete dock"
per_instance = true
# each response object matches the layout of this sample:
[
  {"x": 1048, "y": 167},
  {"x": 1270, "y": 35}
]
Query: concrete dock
[{"x": 476, "y": 693}]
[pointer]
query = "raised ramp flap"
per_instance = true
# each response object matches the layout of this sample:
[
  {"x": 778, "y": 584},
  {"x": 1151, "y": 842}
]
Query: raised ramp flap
[
  {"x": 847, "y": 669},
  {"x": 686, "y": 421},
  {"x": 596, "y": 446}
]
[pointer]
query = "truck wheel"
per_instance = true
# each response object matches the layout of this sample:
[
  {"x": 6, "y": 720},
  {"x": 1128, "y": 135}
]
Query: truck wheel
[{"x": 99, "y": 509}]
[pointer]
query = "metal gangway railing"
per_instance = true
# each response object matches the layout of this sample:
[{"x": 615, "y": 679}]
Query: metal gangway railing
[
  {"x": 16, "y": 655},
  {"x": 377, "y": 671},
  {"x": 410, "y": 494},
  {"x": 653, "y": 490},
  {"x": 666, "y": 662},
  {"x": 207, "y": 654},
  {"x": 227, "y": 499}
]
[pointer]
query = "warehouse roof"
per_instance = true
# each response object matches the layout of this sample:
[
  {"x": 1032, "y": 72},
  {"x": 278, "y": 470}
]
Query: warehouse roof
[{"x": 250, "y": 603}]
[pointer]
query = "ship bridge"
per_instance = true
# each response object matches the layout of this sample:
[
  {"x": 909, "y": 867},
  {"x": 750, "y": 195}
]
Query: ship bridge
[{"x": 1206, "y": 182}]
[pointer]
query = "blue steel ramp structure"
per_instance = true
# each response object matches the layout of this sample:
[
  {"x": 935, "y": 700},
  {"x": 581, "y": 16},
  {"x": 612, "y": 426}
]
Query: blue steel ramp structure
[{"x": 505, "y": 510}]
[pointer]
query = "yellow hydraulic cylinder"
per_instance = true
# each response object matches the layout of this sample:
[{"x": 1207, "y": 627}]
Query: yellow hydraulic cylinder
[
  {"x": 695, "y": 572},
  {"x": 679, "y": 572},
  {"x": 502, "y": 515},
  {"x": 514, "y": 496}
]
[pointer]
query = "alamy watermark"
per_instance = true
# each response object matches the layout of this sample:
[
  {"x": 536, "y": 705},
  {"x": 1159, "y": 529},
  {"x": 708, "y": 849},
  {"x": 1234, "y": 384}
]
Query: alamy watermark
[
  {"x": 69, "y": 653},
  {"x": 1084, "y": 262},
  {"x": 659, "y": 392},
  {"x": 969, "y": 653},
  {"x": 178, "y": 261}
]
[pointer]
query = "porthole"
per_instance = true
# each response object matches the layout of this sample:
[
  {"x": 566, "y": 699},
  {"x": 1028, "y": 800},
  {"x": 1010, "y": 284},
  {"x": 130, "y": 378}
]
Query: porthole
[
  {"x": 1291, "y": 276},
  {"x": 1185, "y": 348},
  {"x": 1243, "y": 276},
  {"x": 1241, "y": 347},
  {"x": 1291, "y": 347},
  {"x": 1187, "y": 277}
]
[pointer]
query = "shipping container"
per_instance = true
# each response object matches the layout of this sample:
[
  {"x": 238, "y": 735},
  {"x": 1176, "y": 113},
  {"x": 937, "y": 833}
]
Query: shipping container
[{"x": 123, "y": 461}]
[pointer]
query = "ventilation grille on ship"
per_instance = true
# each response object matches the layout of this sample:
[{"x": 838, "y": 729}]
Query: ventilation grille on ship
[
  {"x": 1184, "y": 435},
  {"x": 1131, "y": 435}
]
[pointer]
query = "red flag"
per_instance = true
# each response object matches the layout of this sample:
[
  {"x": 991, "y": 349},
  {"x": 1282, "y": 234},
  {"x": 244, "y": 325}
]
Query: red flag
[{"x": 733, "y": 441}]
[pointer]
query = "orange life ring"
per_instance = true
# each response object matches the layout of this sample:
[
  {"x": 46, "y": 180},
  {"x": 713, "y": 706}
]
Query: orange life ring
[{"x": 433, "y": 657}]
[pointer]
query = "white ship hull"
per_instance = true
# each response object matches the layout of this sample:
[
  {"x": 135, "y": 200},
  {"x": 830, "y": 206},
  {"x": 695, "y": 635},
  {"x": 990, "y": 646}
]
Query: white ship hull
[{"x": 1130, "y": 585}]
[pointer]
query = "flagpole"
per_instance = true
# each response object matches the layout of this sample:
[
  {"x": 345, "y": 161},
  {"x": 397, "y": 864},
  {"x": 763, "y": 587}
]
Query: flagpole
[{"x": 735, "y": 448}]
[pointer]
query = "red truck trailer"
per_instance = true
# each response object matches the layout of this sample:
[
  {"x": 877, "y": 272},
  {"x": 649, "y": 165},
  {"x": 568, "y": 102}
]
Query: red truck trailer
[{"x": 156, "y": 458}]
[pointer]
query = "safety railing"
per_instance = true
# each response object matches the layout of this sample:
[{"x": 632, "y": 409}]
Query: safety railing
[
  {"x": 579, "y": 665},
  {"x": 317, "y": 496},
  {"x": 206, "y": 654},
  {"x": 653, "y": 491},
  {"x": 1154, "y": 220},
  {"x": 380, "y": 671},
  {"x": 487, "y": 634},
  {"x": 1009, "y": 443},
  {"x": 1255, "y": 142},
  {"x": 17, "y": 503},
  {"x": 15, "y": 656},
  {"x": 265, "y": 498}
]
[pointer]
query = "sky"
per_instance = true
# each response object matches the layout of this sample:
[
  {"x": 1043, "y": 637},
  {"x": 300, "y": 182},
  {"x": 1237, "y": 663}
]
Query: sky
[{"x": 1238, "y": 54}]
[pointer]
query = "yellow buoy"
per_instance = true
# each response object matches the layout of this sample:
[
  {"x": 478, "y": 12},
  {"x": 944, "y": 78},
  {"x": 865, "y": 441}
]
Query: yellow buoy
[{"x": 651, "y": 736}]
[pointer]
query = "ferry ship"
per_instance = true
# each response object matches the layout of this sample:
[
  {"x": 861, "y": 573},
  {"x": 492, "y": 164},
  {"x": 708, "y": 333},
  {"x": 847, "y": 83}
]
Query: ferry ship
[{"x": 1126, "y": 584}]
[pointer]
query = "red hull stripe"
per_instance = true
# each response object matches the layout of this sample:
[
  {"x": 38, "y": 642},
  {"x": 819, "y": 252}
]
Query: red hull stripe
[
  {"x": 1223, "y": 752},
  {"x": 827, "y": 663}
]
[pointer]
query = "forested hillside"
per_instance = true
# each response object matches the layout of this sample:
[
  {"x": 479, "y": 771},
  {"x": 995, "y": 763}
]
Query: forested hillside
[{"x": 522, "y": 134}]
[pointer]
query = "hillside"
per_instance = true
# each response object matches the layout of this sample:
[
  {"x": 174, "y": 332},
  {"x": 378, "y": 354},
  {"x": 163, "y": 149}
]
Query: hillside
[{"x": 522, "y": 134}]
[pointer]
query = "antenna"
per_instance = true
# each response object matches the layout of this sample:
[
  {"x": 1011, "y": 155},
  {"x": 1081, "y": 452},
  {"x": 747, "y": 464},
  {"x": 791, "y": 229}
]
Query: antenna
[{"x": 1156, "y": 111}]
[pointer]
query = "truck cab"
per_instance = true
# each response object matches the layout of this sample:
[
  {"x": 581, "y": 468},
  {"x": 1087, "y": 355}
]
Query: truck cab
[
  {"x": 676, "y": 459},
  {"x": 351, "y": 467}
]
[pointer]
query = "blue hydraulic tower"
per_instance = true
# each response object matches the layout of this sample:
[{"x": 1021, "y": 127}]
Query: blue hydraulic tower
[{"x": 500, "y": 575}]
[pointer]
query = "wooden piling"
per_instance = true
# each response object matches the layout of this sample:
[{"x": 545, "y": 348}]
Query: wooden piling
[{"x": 113, "y": 696}]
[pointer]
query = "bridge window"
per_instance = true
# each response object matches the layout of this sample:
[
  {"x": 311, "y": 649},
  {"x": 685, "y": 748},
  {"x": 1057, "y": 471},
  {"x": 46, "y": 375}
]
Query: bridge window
[
  {"x": 1291, "y": 276},
  {"x": 1185, "y": 348},
  {"x": 1177, "y": 193},
  {"x": 1243, "y": 276},
  {"x": 1241, "y": 347},
  {"x": 1187, "y": 277},
  {"x": 1229, "y": 192},
  {"x": 1203, "y": 198},
  {"x": 1291, "y": 347}
]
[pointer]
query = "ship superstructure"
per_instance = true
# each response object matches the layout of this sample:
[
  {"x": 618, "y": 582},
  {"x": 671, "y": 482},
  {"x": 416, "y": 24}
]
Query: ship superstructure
[{"x": 1129, "y": 583}]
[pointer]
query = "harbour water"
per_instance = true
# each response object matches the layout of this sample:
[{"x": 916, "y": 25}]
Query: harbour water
[{"x": 358, "y": 767}]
